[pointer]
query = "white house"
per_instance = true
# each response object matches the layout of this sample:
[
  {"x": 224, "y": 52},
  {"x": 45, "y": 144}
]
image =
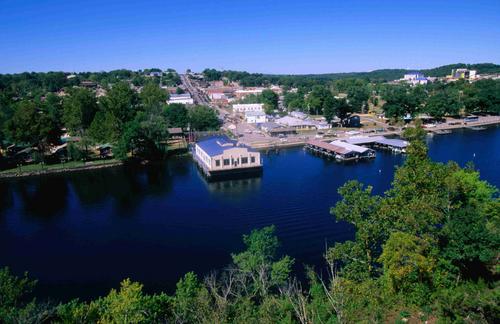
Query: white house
[
  {"x": 184, "y": 98},
  {"x": 219, "y": 154},
  {"x": 255, "y": 117},
  {"x": 243, "y": 108}
]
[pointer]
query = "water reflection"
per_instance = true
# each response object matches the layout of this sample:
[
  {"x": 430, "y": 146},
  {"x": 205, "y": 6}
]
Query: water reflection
[
  {"x": 47, "y": 196},
  {"x": 234, "y": 187}
]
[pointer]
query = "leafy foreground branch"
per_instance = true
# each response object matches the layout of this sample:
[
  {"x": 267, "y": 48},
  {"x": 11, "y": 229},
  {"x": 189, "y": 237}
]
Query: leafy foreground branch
[{"x": 425, "y": 250}]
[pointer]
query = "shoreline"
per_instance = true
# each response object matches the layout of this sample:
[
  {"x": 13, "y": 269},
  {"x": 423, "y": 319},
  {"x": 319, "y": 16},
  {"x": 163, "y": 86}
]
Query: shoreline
[
  {"x": 270, "y": 144},
  {"x": 89, "y": 166},
  {"x": 273, "y": 143}
]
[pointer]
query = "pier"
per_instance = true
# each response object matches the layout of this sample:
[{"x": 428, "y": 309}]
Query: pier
[
  {"x": 381, "y": 142},
  {"x": 340, "y": 151}
]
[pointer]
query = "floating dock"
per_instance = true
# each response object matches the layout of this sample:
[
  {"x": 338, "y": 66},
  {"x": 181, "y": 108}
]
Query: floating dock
[
  {"x": 381, "y": 142},
  {"x": 340, "y": 151}
]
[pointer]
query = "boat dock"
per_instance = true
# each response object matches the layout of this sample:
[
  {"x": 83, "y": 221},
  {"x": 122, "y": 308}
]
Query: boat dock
[
  {"x": 340, "y": 151},
  {"x": 381, "y": 142}
]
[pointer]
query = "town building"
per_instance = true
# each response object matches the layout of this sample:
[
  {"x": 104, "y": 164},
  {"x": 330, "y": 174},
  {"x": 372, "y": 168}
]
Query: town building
[
  {"x": 242, "y": 93},
  {"x": 414, "y": 78},
  {"x": 219, "y": 155},
  {"x": 296, "y": 123},
  {"x": 243, "y": 108},
  {"x": 464, "y": 74},
  {"x": 155, "y": 74},
  {"x": 183, "y": 98},
  {"x": 298, "y": 114},
  {"x": 255, "y": 117}
]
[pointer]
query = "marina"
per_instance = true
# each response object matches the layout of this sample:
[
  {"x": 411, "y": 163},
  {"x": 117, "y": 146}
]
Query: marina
[
  {"x": 380, "y": 142},
  {"x": 340, "y": 151}
]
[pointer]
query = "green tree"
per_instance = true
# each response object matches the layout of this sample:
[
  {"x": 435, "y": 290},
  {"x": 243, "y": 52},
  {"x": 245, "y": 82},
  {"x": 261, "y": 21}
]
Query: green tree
[
  {"x": 294, "y": 100},
  {"x": 203, "y": 118},
  {"x": 13, "y": 292},
  {"x": 270, "y": 100},
  {"x": 33, "y": 126},
  {"x": 316, "y": 98},
  {"x": 177, "y": 115},
  {"x": 441, "y": 104},
  {"x": 259, "y": 263},
  {"x": 360, "y": 208},
  {"x": 80, "y": 108},
  {"x": 123, "y": 306},
  {"x": 341, "y": 108},
  {"x": 190, "y": 303},
  {"x": 152, "y": 96},
  {"x": 121, "y": 102},
  {"x": 407, "y": 261},
  {"x": 402, "y": 100}
]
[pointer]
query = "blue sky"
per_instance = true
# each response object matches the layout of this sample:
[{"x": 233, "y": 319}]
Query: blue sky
[{"x": 257, "y": 36}]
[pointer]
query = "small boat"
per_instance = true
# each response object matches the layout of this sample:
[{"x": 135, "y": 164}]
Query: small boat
[
  {"x": 442, "y": 131},
  {"x": 476, "y": 128}
]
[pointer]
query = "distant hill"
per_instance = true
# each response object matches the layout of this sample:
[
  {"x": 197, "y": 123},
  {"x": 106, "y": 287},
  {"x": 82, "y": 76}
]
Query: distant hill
[{"x": 393, "y": 74}]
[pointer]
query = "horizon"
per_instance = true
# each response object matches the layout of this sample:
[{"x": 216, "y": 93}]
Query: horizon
[
  {"x": 318, "y": 37},
  {"x": 252, "y": 72}
]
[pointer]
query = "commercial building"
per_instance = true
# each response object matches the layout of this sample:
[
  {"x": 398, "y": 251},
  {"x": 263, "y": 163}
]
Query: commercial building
[
  {"x": 219, "y": 155},
  {"x": 243, "y": 108},
  {"x": 464, "y": 74},
  {"x": 242, "y": 93},
  {"x": 296, "y": 123},
  {"x": 255, "y": 117},
  {"x": 184, "y": 98}
]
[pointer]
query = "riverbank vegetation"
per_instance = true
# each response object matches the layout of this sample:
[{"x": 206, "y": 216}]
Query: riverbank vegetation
[
  {"x": 425, "y": 250},
  {"x": 52, "y": 118}
]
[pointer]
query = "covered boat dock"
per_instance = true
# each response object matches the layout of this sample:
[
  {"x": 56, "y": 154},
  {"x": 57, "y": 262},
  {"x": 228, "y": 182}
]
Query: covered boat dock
[
  {"x": 393, "y": 144},
  {"x": 339, "y": 150}
]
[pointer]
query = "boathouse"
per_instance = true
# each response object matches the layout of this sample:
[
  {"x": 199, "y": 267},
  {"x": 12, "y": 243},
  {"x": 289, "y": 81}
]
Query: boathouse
[
  {"x": 341, "y": 151},
  {"x": 360, "y": 151},
  {"x": 393, "y": 144},
  {"x": 219, "y": 155}
]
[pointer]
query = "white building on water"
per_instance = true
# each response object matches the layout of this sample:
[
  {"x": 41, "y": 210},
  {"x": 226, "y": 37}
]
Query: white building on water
[{"x": 219, "y": 155}]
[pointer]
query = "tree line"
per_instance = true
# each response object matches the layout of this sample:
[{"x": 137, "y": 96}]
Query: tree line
[
  {"x": 309, "y": 80},
  {"x": 425, "y": 250},
  {"x": 397, "y": 101}
]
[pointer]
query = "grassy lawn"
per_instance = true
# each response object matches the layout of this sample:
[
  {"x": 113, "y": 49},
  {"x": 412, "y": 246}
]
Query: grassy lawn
[{"x": 67, "y": 165}]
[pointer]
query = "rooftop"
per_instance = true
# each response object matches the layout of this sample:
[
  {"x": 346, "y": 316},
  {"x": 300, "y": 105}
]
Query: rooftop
[
  {"x": 180, "y": 95},
  {"x": 330, "y": 147},
  {"x": 255, "y": 113},
  {"x": 216, "y": 145},
  {"x": 292, "y": 121},
  {"x": 350, "y": 147}
]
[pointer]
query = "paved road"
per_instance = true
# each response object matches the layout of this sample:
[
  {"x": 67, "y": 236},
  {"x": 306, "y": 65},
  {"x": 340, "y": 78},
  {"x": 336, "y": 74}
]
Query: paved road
[{"x": 198, "y": 97}]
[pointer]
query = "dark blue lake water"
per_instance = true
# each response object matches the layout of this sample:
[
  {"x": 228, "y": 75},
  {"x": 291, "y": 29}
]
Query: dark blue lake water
[{"x": 80, "y": 234}]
